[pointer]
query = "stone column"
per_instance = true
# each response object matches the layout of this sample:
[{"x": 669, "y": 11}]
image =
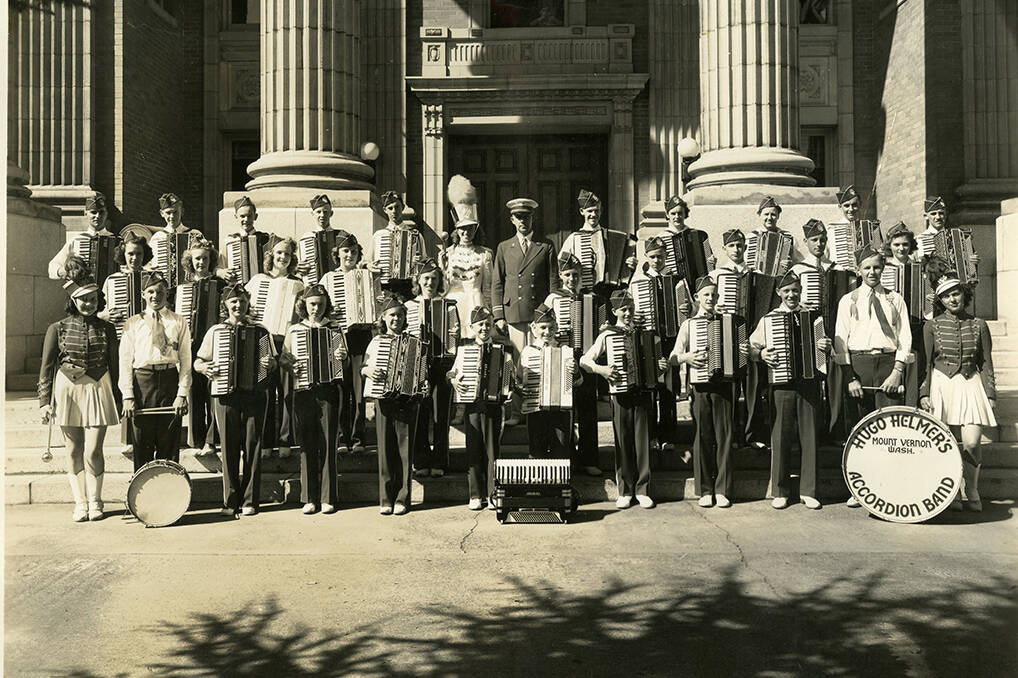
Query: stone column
[
  {"x": 50, "y": 107},
  {"x": 749, "y": 122},
  {"x": 621, "y": 175},
  {"x": 310, "y": 97},
  {"x": 434, "y": 166}
]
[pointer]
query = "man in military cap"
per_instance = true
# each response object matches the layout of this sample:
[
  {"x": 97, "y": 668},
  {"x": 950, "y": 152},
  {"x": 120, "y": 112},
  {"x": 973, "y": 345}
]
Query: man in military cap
[
  {"x": 610, "y": 260},
  {"x": 246, "y": 214},
  {"x": 171, "y": 209},
  {"x": 524, "y": 274},
  {"x": 849, "y": 202},
  {"x": 393, "y": 205},
  {"x": 935, "y": 214},
  {"x": 95, "y": 210},
  {"x": 676, "y": 212},
  {"x": 769, "y": 212}
]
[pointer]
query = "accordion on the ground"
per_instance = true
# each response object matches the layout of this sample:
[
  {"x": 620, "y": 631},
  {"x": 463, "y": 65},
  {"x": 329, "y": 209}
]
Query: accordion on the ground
[
  {"x": 909, "y": 280},
  {"x": 657, "y": 301},
  {"x": 244, "y": 256},
  {"x": 686, "y": 254},
  {"x": 199, "y": 302},
  {"x": 314, "y": 349},
  {"x": 486, "y": 375},
  {"x": 353, "y": 294},
  {"x": 238, "y": 352},
  {"x": 404, "y": 365},
  {"x": 125, "y": 295},
  {"x": 767, "y": 252},
  {"x": 399, "y": 250},
  {"x": 722, "y": 337},
  {"x": 533, "y": 490},
  {"x": 846, "y": 238},
  {"x": 166, "y": 256},
  {"x": 273, "y": 302},
  {"x": 955, "y": 246},
  {"x": 436, "y": 323},
  {"x": 617, "y": 248},
  {"x": 548, "y": 380},
  {"x": 635, "y": 356},
  {"x": 579, "y": 320},
  {"x": 750, "y": 295},
  {"x": 98, "y": 252},
  {"x": 315, "y": 248},
  {"x": 794, "y": 337}
]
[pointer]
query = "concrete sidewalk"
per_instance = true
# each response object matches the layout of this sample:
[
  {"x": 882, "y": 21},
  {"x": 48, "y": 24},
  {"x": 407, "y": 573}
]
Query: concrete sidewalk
[{"x": 677, "y": 591}]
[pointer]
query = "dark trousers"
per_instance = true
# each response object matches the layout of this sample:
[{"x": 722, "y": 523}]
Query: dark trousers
[
  {"x": 756, "y": 428},
  {"x": 585, "y": 410},
  {"x": 396, "y": 424},
  {"x": 431, "y": 445},
  {"x": 795, "y": 407},
  {"x": 714, "y": 411},
  {"x": 631, "y": 415},
  {"x": 202, "y": 418},
  {"x": 156, "y": 436},
  {"x": 483, "y": 424},
  {"x": 281, "y": 426},
  {"x": 872, "y": 369},
  {"x": 240, "y": 417},
  {"x": 351, "y": 408},
  {"x": 317, "y": 411},
  {"x": 549, "y": 434},
  {"x": 665, "y": 423}
]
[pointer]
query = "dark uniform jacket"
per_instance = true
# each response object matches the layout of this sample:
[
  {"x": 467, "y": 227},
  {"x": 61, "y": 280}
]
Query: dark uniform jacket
[{"x": 521, "y": 283}]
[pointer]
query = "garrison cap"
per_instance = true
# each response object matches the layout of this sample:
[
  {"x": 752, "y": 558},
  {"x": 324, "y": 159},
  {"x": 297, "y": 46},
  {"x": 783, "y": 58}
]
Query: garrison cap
[
  {"x": 934, "y": 203},
  {"x": 428, "y": 265},
  {"x": 864, "y": 253},
  {"x": 237, "y": 291},
  {"x": 316, "y": 290},
  {"x": 242, "y": 202},
  {"x": 768, "y": 201},
  {"x": 621, "y": 299},
  {"x": 733, "y": 235},
  {"x": 390, "y": 300},
  {"x": 320, "y": 200},
  {"x": 705, "y": 281},
  {"x": 847, "y": 194},
  {"x": 653, "y": 245},
  {"x": 899, "y": 229},
  {"x": 813, "y": 228},
  {"x": 543, "y": 314},
  {"x": 153, "y": 278},
  {"x": 345, "y": 239},
  {"x": 95, "y": 202},
  {"x": 788, "y": 279},
  {"x": 390, "y": 197},
  {"x": 521, "y": 205},
  {"x": 676, "y": 201},
  {"x": 167, "y": 200},
  {"x": 481, "y": 313},
  {"x": 587, "y": 199},
  {"x": 568, "y": 261}
]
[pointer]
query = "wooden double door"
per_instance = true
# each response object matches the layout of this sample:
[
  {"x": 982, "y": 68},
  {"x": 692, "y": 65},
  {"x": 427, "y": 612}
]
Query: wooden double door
[{"x": 548, "y": 168}]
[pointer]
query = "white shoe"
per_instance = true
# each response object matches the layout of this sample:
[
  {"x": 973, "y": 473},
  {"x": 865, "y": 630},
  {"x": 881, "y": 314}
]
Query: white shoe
[
  {"x": 227, "y": 512},
  {"x": 248, "y": 511},
  {"x": 705, "y": 501},
  {"x": 779, "y": 502},
  {"x": 491, "y": 505},
  {"x": 95, "y": 510},
  {"x": 80, "y": 513},
  {"x": 852, "y": 502},
  {"x": 475, "y": 504},
  {"x": 437, "y": 473},
  {"x": 810, "y": 502},
  {"x": 328, "y": 508},
  {"x": 645, "y": 501},
  {"x": 207, "y": 451},
  {"x": 721, "y": 501},
  {"x": 624, "y": 502},
  {"x": 399, "y": 509},
  {"x": 308, "y": 509},
  {"x": 385, "y": 510}
]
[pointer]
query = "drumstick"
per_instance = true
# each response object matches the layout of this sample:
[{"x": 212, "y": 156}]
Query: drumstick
[
  {"x": 880, "y": 388},
  {"x": 47, "y": 456}
]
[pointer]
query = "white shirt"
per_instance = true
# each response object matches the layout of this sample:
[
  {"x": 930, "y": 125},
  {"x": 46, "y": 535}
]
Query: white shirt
[
  {"x": 862, "y": 332},
  {"x": 58, "y": 262},
  {"x": 137, "y": 350}
]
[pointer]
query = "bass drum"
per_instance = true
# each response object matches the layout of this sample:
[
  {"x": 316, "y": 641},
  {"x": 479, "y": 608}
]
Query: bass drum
[
  {"x": 143, "y": 230},
  {"x": 159, "y": 493},
  {"x": 902, "y": 464}
]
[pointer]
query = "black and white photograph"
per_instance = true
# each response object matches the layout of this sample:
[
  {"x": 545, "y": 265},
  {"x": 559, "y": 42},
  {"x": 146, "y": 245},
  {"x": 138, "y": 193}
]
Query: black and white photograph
[{"x": 510, "y": 338}]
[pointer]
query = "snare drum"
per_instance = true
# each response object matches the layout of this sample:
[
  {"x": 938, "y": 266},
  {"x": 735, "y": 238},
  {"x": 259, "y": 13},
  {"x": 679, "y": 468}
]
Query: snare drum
[
  {"x": 159, "y": 493},
  {"x": 902, "y": 464}
]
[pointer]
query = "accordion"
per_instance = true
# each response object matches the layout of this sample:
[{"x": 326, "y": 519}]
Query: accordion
[
  {"x": 722, "y": 337},
  {"x": 823, "y": 291},
  {"x": 238, "y": 350},
  {"x": 125, "y": 295},
  {"x": 909, "y": 280},
  {"x": 244, "y": 256},
  {"x": 847, "y": 238},
  {"x": 548, "y": 380},
  {"x": 767, "y": 252},
  {"x": 353, "y": 294},
  {"x": 635, "y": 356},
  {"x": 315, "y": 248},
  {"x": 273, "y": 302},
  {"x": 199, "y": 302},
  {"x": 436, "y": 323},
  {"x": 657, "y": 302},
  {"x": 533, "y": 490},
  {"x": 166, "y": 256},
  {"x": 955, "y": 246},
  {"x": 750, "y": 294},
  {"x": 794, "y": 336},
  {"x": 314, "y": 349},
  {"x": 579, "y": 320},
  {"x": 98, "y": 252},
  {"x": 399, "y": 250},
  {"x": 617, "y": 248},
  {"x": 486, "y": 375},
  {"x": 404, "y": 364},
  {"x": 686, "y": 254}
]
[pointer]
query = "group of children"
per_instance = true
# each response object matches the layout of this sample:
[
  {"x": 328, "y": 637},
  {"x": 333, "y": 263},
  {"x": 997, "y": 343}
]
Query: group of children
[{"x": 870, "y": 348}]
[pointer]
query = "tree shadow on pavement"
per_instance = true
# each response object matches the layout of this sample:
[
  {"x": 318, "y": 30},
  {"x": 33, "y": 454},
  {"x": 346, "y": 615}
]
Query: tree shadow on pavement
[{"x": 862, "y": 625}]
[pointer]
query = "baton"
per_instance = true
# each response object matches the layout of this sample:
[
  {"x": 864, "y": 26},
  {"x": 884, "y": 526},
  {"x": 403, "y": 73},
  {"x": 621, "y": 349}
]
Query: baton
[
  {"x": 169, "y": 409},
  {"x": 47, "y": 456},
  {"x": 878, "y": 388}
]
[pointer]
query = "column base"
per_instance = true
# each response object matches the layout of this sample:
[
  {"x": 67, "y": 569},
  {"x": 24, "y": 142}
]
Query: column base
[
  {"x": 309, "y": 169},
  {"x": 979, "y": 200},
  {"x": 754, "y": 165}
]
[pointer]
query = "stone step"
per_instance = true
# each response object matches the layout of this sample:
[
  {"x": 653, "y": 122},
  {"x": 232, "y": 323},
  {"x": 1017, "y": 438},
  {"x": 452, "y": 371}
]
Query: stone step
[
  {"x": 1008, "y": 433},
  {"x": 1005, "y": 358},
  {"x": 22, "y": 381},
  {"x": 33, "y": 364},
  {"x": 360, "y": 488}
]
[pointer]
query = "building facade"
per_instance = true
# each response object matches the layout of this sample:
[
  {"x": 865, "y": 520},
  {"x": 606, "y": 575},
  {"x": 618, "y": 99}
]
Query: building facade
[{"x": 902, "y": 98}]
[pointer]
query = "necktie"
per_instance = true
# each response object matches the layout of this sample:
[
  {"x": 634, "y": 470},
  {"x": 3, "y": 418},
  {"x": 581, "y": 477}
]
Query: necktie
[
  {"x": 877, "y": 311},
  {"x": 525, "y": 245},
  {"x": 159, "y": 339}
]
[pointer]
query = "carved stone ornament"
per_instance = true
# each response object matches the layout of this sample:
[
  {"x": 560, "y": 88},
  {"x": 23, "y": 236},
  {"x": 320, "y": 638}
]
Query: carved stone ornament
[
  {"x": 434, "y": 52},
  {"x": 245, "y": 86},
  {"x": 434, "y": 120},
  {"x": 812, "y": 84}
]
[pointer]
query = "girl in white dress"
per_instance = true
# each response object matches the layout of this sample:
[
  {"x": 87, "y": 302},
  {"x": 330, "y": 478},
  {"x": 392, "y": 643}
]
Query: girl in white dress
[{"x": 468, "y": 269}]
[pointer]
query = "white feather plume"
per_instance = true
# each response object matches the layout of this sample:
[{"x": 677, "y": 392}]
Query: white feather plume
[{"x": 461, "y": 191}]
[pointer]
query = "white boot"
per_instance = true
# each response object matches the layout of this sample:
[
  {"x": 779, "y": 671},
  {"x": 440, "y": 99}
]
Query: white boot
[
  {"x": 94, "y": 491},
  {"x": 970, "y": 472},
  {"x": 77, "y": 481}
]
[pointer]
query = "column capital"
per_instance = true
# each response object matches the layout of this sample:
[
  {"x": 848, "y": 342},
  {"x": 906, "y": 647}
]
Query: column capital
[{"x": 434, "y": 120}]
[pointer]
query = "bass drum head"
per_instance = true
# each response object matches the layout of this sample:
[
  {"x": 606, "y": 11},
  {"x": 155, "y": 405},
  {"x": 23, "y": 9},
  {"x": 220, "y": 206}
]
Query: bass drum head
[
  {"x": 902, "y": 464},
  {"x": 159, "y": 493}
]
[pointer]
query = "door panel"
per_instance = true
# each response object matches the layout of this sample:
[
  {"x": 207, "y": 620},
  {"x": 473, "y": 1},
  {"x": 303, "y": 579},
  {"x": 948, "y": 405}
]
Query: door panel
[{"x": 548, "y": 168}]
